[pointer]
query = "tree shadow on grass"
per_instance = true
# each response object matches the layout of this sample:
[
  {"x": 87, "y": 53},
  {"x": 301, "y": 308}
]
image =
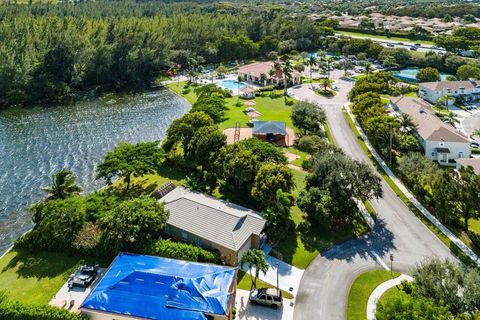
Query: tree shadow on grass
[
  {"x": 288, "y": 246},
  {"x": 40, "y": 264}
]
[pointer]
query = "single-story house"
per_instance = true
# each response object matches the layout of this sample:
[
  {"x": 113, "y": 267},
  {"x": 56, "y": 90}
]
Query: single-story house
[
  {"x": 466, "y": 90},
  {"x": 440, "y": 141},
  {"x": 212, "y": 223},
  {"x": 147, "y": 287},
  {"x": 271, "y": 131},
  {"x": 264, "y": 74},
  {"x": 471, "y": 162}
]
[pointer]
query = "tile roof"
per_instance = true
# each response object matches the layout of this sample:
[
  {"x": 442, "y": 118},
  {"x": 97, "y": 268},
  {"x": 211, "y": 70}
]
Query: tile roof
[
  {"x": 454, "y": 85},
  {"x": 259, "y": 68},
  {"x": 429, "y": 126},
  {"x": 269, "y": 127},
  {"x": 470, "y": 162},
  {"x": 212, "y": 219}
]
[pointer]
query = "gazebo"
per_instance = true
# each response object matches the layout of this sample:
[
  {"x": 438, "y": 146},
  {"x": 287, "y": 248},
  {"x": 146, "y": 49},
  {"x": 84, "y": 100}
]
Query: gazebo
[{"x": 271, "y": 131}]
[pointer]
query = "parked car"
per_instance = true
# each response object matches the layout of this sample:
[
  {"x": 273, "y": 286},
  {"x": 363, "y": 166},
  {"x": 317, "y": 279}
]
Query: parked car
[
  {"x": 475, "y": 145},
  {"x": 400, "y": 43},
  {"x": 83, "y": 276},
  {"x": 413, "y": 48},
  {"x": 391, "y": 45},
  {"x": 417, "y": 45},
  {"x": 267, "y": 297}
]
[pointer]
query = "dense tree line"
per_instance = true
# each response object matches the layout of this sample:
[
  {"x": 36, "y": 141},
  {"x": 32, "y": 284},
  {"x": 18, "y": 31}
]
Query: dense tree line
[{"x": 52, "y": 51}]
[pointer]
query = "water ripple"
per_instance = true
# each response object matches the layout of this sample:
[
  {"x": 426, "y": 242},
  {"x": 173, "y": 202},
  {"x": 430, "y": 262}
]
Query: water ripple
[{"x": 36, "y": 142}]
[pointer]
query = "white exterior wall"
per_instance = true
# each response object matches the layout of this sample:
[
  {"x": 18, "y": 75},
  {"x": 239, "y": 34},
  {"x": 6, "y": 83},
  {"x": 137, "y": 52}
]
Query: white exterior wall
[
  {"x": 247, "y": 245},
  {"x": 432, "y": 96},
  {"x": 455, "y": 149}
]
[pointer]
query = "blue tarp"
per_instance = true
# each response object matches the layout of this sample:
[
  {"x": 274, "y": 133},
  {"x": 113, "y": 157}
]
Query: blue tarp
[{"x": 160, "y": 288}]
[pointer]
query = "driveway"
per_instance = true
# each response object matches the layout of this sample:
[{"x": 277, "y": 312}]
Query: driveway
[
  {"x": 288, "y": 275},
  {"x": 326, "y": 282},
  {"x": 249, "y": 311}
]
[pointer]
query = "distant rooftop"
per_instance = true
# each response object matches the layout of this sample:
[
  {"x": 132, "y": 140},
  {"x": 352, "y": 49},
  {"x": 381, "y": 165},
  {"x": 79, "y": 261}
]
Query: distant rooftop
[
  {"x": 453, "y": 85},
  {"x": 470, "y": 162},
  {"x": 429, "y": 126},
  {"x": 269, "y": 127}
]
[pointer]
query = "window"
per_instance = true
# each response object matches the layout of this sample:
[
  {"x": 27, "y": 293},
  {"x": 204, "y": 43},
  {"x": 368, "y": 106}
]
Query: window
[
  {"x": 184, "y": 236},
  {"x": 433, "y": 154}
]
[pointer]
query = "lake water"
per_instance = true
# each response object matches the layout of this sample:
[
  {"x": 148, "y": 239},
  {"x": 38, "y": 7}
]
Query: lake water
[{"x": 36, "y": 142}]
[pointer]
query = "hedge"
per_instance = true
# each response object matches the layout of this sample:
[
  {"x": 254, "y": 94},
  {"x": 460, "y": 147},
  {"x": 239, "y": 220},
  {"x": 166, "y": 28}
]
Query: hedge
[
  {"x": 14, "y": 310},
  {"x": 177, "y": 250}
]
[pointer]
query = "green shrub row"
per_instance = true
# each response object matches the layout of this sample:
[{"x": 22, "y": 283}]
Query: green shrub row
[
  {"x": 177, "y": 250},
  {"x": 14, "y": 310}
]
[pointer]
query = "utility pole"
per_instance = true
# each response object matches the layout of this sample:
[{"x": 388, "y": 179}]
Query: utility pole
[
  {"x": 391, "y": 264},
  {"x": 278, "y": 290}
]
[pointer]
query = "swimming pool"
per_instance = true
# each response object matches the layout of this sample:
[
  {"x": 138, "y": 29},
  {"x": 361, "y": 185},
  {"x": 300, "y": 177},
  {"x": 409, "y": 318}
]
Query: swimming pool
[
  {"x": 410, "y": 75},
  {"x": 327, "y": 55},
  {"x": 231, "y": 85}
]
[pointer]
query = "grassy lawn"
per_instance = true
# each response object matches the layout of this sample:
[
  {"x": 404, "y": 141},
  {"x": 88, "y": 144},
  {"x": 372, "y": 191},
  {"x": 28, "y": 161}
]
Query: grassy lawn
[
  {"x": 271, "y": 109},
  {"x": 453, "y": 247},
  {"x": 361, "y": 289},
  {"x": 244, "y": 282},
  {"x": 302, "y": 156},
  {"x": 390, "y": 293},
  {"x": 374, "y": 36},
  {"x": 39, "y": 274}
]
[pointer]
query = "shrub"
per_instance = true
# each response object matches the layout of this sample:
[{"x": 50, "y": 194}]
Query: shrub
[
  {"x": 266, "y": 88},
  {"x": 275, "y": 95},
  {"x": 475, "y": 238},
  {"x": 186, "y": 91},
  {"x": 13, "y": 310},
  {"x": 183, "y": 251},
  {"x": 88, "y": 239},
  {"x": 310, "y": 144}
]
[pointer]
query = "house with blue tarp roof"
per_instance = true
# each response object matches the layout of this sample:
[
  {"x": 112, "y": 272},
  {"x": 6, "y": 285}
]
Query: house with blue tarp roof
[{"x": 147, "y": 287}]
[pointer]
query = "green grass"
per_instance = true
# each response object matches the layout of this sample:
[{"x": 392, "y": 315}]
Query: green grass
[
  {"x": 361, "y": 289},
  {"x": 374, "y": 36},
  {"x": 35, "y": 277},
  {"x": 328, "y": 133},
  {"x": 271, "y": 109},
  {"x": 244, "y": 282},
  {"x": 370, "y": 209},
  {"x": 302, "y": 156},
  {"x": 453, "y": 248}
]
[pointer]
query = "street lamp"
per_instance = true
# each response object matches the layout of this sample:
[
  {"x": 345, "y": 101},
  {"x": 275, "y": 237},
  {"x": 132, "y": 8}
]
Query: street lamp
[
  {"x": 277, "y": 279},
  {"x": 391, "y": 264}
]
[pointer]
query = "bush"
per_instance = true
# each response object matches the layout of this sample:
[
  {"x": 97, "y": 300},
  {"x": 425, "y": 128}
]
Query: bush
[
  {"x": 88, "y": 240},
  {"x": 310, "y": 144},
  {"x": 13, "y": 310},
  {"x": 266, "y": 88},
  {"x": 186, "y": 91},
  {"x": 183, "y": 251},
  {"x": 275, "y": 95},
  {"x": 475, "y": 238}
]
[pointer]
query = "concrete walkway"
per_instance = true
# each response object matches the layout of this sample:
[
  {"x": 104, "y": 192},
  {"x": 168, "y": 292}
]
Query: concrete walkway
[
  {"x": 250, "y": 311},
  {"x": 380, "y": 290},
  {"x": 288, "y": 275},
  {"x": 466, "y": 250}
]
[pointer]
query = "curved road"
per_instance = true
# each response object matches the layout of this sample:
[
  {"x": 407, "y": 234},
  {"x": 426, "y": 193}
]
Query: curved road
[{"x": 326, "y": 282}]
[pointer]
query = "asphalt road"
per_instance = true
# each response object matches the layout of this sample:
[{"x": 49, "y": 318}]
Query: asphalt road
[
  {"x": 406, "y": 44},
  {"x": 326, "y": 282}
]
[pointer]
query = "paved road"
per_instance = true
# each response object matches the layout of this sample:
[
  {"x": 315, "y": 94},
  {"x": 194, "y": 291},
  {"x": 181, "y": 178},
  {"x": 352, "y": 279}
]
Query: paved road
[
  {"x": 326, "y": 282},
  {"x": 406, "y": 44}
]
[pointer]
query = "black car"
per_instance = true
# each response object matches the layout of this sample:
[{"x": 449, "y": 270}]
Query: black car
[
  {"x": 83, "y": 276},
  {"x": 475, "y": 145},
  {"x": 413, "y": 48}
]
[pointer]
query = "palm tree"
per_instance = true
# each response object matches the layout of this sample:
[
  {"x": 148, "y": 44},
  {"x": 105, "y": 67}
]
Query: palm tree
[
  {"x": 368, "y": 67},
  {"x": 328, "y": 61},
  {"x": 63, "y": 185},
  {"x": 312, "y": 61},
  {"x": 450, "y": 118},
  {"x": 475, "y": 133},
  {"x": 286, "y": 68},
  {"x": 443, "y": 101},
  {"x": 346, "y": 64},
  {"x": 194, "y": 183},
  {"x": 254, "y": 258},
  {"x": 406, "y": 123},
  {"x": 325, "y": 82}
]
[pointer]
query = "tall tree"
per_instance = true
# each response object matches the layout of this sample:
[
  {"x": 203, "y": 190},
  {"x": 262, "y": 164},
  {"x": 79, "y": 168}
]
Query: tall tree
[
  {"x": 255, "y": 258},
  {"x": 308, "y": 117},
  {"x": 128, "y": 160},
  {"x": 269, "y": 179}
]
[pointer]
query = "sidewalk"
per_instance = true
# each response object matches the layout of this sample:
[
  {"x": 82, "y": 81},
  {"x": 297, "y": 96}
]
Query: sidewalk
[
  {"x": 466, "y": 250},
  {"x": 380, "y": 290}
]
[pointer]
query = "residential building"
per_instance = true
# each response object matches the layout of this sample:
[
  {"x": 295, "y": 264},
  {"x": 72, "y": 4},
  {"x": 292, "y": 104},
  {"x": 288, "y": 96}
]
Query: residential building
[
  {"x": 271, "y": 131},
  {"x": 212, "y": 223},
  {"x": 441, "y": 142},
  {"x": 264, "y": 73},
  {"x": 471, "y": 162},
  {"x": 468, "y": 90},
  {"x": 147, "y": 287}
]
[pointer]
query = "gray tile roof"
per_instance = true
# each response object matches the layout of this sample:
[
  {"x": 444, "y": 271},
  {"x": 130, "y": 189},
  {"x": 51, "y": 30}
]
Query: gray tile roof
[
  {"x": 453, "y": 85},
  {"x": 272, "y": 127},
  {"x": 429, "y": 126},
  {"x": 215, "y": 220}
]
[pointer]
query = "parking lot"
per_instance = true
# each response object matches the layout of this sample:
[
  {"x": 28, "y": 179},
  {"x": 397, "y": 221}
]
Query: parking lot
[{"x": 249, "y": 311}]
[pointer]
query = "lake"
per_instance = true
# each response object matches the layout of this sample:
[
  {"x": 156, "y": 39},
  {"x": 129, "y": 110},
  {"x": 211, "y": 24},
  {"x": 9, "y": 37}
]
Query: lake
[{"x": 36, "y": 142}]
